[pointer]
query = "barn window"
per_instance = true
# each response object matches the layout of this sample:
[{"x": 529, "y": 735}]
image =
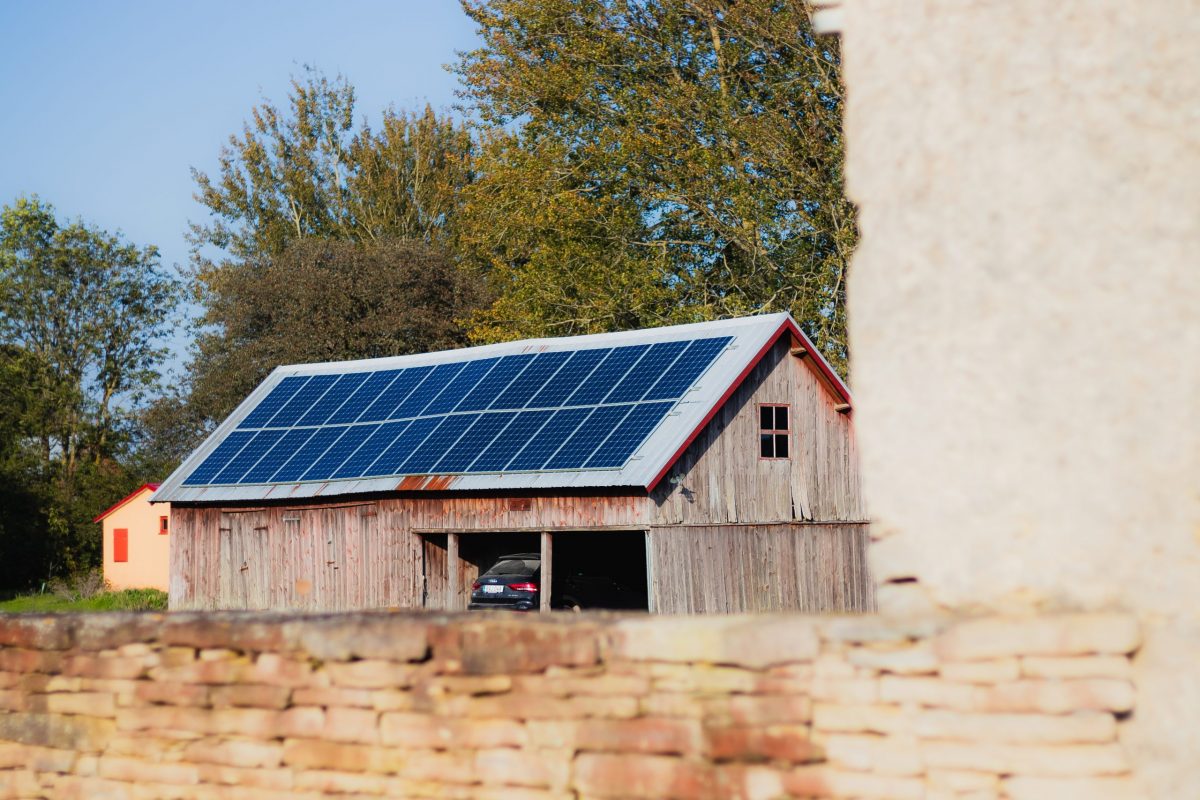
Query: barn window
[
  {"x": 774, "y": 431},
  {"x": 163, "y": 525},
  {"x": 121, "y": 544}
]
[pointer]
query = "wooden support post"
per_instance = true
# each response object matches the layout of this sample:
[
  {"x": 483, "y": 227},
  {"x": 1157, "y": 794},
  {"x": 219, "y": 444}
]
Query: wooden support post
[
  {"x": 453, "y": 590},
  {"x": 547, "y": 560}
]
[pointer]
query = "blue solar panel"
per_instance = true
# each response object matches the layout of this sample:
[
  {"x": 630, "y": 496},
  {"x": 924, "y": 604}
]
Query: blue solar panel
[
  {"x": 528, "y": 382},
  {"x": 605, "y": 376},
  {"x": 367, "y": 393},
  {"x": 320, "y": 412},
  {"x": 588, "y": 437},
  {"x": 278, "y": 455},
  {"x": 470, "y": 446},
  {"x": 295, "y": 408},
  {"x": 496, "y": 381},
  {"x": 341, "y": 450},
  {"x": 456, "y": 389},
  {"x": 304, "y": 458},
  {"x": 370, "y": 450},
  {"x": 551, "y": 437},
  {"x": 240, "y": 464},
  {"x": 683, "y": 373},
  {"x": 645, "y": 372},
  {"x": 496, "y": 456},
  {"x": 568, "y": 378},
  {"x": 553, "y": 410},
  {"x": 415, "y": 404},
  {"x": 218, "y": 458},
  {"x": 632, "y": 431},
  {"x": 395, "y": 394},
  {"x": 274, "y": 401},
  {"x": 438, "y": 442},
  {"x": 398, "y": 452}
]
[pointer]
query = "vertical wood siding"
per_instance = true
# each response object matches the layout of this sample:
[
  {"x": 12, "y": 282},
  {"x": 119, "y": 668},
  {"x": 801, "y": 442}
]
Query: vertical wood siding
[
  {"x": 736, "y": 568},
  {"x": 720, "y": 478}
]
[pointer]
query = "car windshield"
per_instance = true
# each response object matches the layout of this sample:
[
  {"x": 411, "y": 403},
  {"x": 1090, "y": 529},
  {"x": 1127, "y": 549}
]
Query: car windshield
[{"x": 514, "y": 566}]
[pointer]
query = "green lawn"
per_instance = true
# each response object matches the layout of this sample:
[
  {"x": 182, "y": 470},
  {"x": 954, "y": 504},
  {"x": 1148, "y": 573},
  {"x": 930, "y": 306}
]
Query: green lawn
[{"x": 126, "y": 600}]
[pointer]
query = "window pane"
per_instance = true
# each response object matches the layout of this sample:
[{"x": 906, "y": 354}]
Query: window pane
[
  {"x": 781, "y": 418},
  {"x": 781, "y": 445},
  {"x": 766, "y": 420},
  {"x": 766, "y": 448}
]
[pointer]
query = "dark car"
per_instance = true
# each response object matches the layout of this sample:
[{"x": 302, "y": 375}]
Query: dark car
[
  {"x": 515, "y": 583},
  {"x": 511, "y": 583}
]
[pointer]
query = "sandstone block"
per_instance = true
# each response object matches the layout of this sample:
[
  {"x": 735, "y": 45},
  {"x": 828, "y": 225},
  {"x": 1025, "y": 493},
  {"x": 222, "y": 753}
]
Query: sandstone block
[
  {"x": 176, "y": 694},
  {"x": 526, "y": 646},
  {"x": 247, "y": 753},
  {"x": 136, "y": 770},
  {"x": 351, "y": 725},
  {"x": 301, "y": 721},
  {"x": 1031, "y": 760},
  {"x": 881, "y": 755},
  {"x": 89, "y": 704},
  {"x": 1116, "y": 788},
  {"x": 539, "y": 769},
  {"x": 1000, "y": 670},
  {"x": 908, "y": 659},
  {"x": 644, "y": 777},
  {"x": 561, "y": 734},
  {"x": 422, "y": 731},
  {"x": 1058, "y": 697},
  {"x": 787, "y": 743},
  {"x": 746, "y": 782},
  {"x": 823, "y": 781},
  {"x": 276, "y": 670},
  {"x": 387, "y": 637},
  {"x": 754, "y": 642},
  {"x": 88, "y": 734},
  {"x": 16, "y": 659},
  {"x": 1115, "y": 667},
  {"x": 370, "y": 674},
  {"x": 1079, "y": 727},
  {"x": 279, "y": 780},
  {"x": 933, "y": 692},
  {"x": 251, "y": 695},
  {"x": 645, "y": 735},
  {"x": 845, "y": 690},
  {"x": 1064, "y": 635},
  {"x": 47, "y": 632},
  {"x": 350, "y": 698},
  {"x": 838, "y": 718},
  {"x": 957, "y": 780},
  {"x": 333, "y": 782}
]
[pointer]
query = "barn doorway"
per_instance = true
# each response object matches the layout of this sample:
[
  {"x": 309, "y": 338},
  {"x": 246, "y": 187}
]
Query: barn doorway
[
  {"x": 589, "y": 570},
  {"x": 599, "y": 570}
]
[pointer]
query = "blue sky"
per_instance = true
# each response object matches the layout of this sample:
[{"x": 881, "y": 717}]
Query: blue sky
[{"x": 106, "y": 105}]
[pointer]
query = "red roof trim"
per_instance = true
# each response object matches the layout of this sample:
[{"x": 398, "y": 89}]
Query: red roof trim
[
  {"x": 815, "y": 361},
  {"x": 151, "y": 486}
]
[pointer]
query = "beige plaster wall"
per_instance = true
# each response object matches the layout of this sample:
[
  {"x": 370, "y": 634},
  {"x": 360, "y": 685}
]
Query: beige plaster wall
[
  {"x": 149, "y": 551},
  {"x": 1024, "y": 311}
]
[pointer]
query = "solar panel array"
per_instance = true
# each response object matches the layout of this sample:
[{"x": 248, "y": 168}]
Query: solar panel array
[{"x": 557, "y": 410}]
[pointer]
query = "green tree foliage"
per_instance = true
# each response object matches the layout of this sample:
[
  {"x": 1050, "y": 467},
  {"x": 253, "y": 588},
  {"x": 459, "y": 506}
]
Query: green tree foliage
[
  {"x": 325, "y": 239},
  {"x": 653, "y": 161},
  {"x": 82, "y": 315}
]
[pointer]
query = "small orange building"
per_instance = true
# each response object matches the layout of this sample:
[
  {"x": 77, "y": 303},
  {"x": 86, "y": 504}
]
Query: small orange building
[{"x": 137, "y": 550}]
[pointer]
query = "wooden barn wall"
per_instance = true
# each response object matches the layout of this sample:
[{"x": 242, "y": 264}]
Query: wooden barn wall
[
  {"x": 721, "y": 478},
  {"x": 352, "y": 555},
  {"x": 712, "y": 569}
]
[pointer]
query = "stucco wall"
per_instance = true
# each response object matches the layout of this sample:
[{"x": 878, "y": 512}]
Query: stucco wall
[
  {"x": 149, "y": 551},
  {"x": 1024, "y": 311}
]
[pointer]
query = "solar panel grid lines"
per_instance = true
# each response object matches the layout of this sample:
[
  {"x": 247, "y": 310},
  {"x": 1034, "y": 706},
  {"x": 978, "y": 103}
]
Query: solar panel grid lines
[
  {"x": 275, "y": 400},
  {"x": 301, "y": 401},
  {"x": 645, "y": 372},
  {"x": 555, "y": 410}
]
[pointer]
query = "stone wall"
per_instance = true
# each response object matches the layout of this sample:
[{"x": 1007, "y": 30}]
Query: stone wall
[{"x": 409, "y": 705}]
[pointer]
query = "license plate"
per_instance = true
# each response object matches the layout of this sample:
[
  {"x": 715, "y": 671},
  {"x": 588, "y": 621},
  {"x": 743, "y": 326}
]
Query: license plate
[{"x": 492, "y": 589}]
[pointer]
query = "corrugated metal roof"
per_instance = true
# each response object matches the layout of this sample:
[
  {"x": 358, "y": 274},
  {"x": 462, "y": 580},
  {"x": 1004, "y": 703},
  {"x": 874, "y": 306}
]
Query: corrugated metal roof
[{"x": 751, "y": 337}]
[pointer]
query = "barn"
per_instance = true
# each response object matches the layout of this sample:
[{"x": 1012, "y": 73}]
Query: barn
[{"x": 703, "y": 468}]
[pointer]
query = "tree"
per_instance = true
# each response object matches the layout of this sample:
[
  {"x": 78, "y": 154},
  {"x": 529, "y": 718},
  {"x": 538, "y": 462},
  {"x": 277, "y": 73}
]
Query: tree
[
  {"x": 300, "y": 188},
  {"x": 688, "y": 150},
  {"x": 82, "y": 316},
  {"x": 326, "y": 300}
]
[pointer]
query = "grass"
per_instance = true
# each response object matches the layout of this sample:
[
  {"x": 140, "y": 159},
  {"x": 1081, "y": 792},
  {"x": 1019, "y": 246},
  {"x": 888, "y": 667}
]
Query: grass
[{"x": 125, "y": 600}]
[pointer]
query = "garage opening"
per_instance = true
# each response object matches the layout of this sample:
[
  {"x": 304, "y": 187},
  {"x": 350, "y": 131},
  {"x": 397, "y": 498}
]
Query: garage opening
[
  {"x": 589, "y": 570},
  {"x": 599, "y": 570}
]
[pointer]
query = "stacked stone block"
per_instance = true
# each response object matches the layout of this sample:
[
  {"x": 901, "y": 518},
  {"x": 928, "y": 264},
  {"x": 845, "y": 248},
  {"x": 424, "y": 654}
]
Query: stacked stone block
[{"x": 420, "y": 706}]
